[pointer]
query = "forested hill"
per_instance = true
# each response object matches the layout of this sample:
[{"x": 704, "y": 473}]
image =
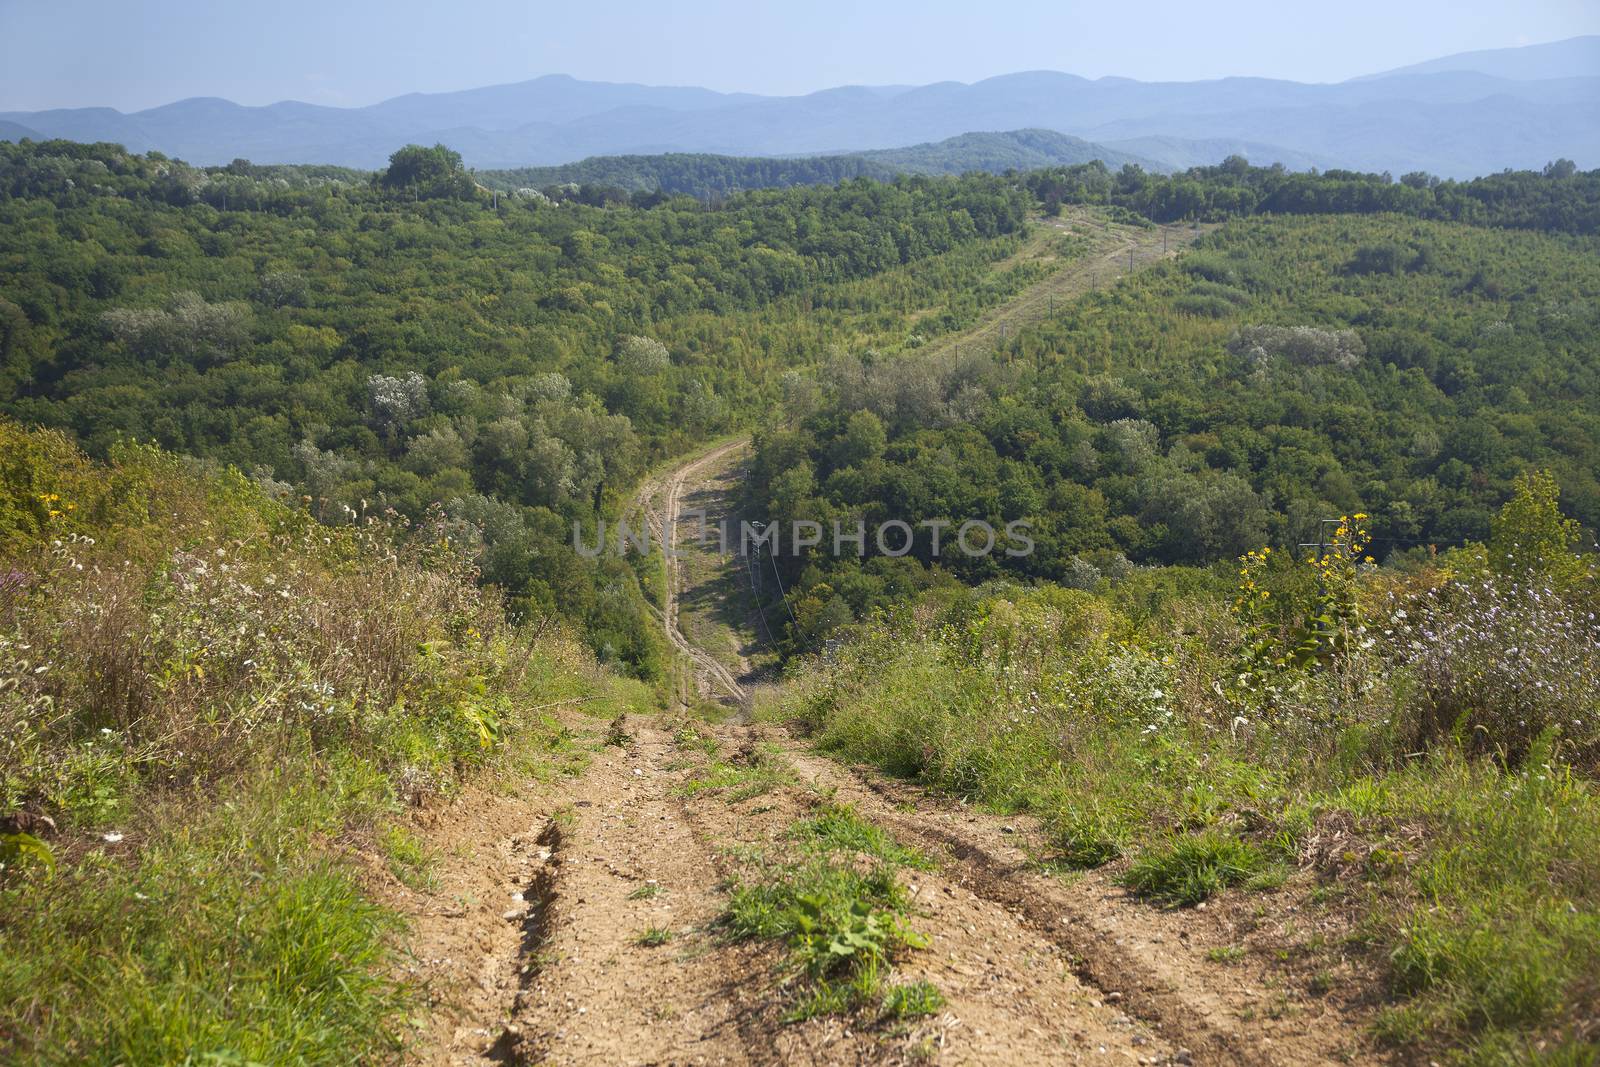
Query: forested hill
[
  {"x": 402, "y": 343},
  {"x": 407, "y": 341},
  {"x": 703, "y": 175},
  {"x": 1283, "y": 371}
]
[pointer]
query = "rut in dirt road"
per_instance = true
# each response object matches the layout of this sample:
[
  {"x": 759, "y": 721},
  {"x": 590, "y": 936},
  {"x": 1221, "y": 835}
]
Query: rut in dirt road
[{"x": 632, "y": 962}]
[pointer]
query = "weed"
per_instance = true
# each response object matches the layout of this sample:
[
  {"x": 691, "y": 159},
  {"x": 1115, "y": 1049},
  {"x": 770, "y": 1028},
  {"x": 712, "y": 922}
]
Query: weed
[
  {"x": 909, "y": 1000},
  {"x": 1225, "y": 954},
  {"x": 648, "y": 891},
  {"x": 653, "y": 936},
  {"x": 842, "y": 926},
  {"x": 839, "y": 827},
  {"x": 617, "y": 732},
  {"x": 1193, "y": 868},
  {"x": 408, "y": 858}
]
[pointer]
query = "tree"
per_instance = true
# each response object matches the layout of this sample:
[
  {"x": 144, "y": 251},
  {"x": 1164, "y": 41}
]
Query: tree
[
  {"x": 1530, "y": 537},
  {"x": 427, "y": 172}
]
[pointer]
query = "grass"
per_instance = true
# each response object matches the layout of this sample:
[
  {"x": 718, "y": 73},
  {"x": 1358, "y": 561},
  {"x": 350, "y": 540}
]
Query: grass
[
  {"x": 764, "y": 770},
  {"x": 839, "y": 828},
  {"x": 911, "y": 1000},
  {"x": 842, "y": 922},
  {"x": 220, "y": 701},
  {"x": 232, "y": 936},
  {"x": 653, "y": 936},
  {"x": 1190, "y": 869},
  {"x": 1471, "y": 884},
  {"x": 408, "y": 858},
  {"x": 648, "y": 891}
]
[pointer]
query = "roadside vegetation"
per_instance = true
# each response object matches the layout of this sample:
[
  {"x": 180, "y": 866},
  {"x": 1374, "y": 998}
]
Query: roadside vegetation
[
  {"x": 211, "y": 708},
  {"x": 1416, "y": 746}
]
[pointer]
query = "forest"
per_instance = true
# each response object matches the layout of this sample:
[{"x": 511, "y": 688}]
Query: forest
[
  {"x": 705, "y": 176},
  {"x": 408, "y": 342},
  {"x": 1283, "y": 372},
  {"x": 413, "y": 341}
]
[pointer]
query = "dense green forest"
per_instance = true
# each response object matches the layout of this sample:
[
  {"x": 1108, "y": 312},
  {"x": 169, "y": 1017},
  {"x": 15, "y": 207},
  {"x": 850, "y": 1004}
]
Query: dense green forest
[
  {"x": 705, "y": 175},
  {"x": 406, "y": 342},
  {"x": 410, "y": 340},
  {"x": 1283, "y": 371},
  {"x": 1560, "y": 198}
]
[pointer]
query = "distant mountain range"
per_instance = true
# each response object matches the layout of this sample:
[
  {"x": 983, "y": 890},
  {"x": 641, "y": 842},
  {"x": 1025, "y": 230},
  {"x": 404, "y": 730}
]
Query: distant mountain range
[{"x": 1458, "y": 116}]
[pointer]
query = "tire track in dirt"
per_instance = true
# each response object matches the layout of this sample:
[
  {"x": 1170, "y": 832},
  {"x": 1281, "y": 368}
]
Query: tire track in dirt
[
  {"x": 625, "y": 864},
  {"x": 1151, "y": 961},
  {"x": 1010, "y": 995},
  {"x": 711, "y": 677}
]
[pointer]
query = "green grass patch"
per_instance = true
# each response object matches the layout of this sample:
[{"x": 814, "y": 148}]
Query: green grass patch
[
  {"x": 233, "y": 939},
  {"x": 764, "y": 771},
  {"x": 843, "y": 925},
  {"x": 408, "y": 858},
  {"x": 653, "y": 936},
  {"x": 911, "y": 1000},
  {"x": 1193, "y": 868},
  {"x": 840, "y": 828}
]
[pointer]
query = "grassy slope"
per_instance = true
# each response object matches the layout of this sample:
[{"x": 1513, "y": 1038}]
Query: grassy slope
[
  {"x": 218, "y": 703},
  {"x": 1469, "y": 881}
]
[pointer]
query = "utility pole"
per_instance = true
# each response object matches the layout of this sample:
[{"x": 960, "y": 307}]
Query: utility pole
[{"x": 1321, "y": 546}]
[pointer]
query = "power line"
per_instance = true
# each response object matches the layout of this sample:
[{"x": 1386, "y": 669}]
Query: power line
[
  {"x": 782, "y": 594},
  {"x": 755, "y": 595}
]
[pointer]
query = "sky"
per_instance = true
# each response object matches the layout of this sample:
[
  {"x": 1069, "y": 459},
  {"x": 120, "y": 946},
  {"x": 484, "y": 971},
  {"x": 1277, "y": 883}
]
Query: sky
[{"x": 134, "y": 54}]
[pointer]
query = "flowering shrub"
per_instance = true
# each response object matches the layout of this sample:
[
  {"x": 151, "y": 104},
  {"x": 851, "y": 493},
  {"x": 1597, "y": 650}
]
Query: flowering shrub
[
  {"x": 1497, "y": 663},
  {"x": 1320, "y": 629},
  {"x": 212, "y": 625}
]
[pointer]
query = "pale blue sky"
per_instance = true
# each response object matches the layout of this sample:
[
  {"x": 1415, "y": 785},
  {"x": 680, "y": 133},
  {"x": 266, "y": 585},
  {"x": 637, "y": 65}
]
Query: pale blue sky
[{"x": 136, "y": 54}]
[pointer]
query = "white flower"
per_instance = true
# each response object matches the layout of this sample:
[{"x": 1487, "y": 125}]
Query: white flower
[{"x": 112, "y": 837}]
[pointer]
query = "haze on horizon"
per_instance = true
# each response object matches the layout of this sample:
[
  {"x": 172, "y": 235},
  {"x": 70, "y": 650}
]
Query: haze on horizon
[{"x": 80, "y": 53}]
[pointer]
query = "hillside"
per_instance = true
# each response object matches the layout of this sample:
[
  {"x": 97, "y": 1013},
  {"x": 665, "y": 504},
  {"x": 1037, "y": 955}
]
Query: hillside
[
  {"x": 1464, "y": 121},
  {"x": 708, "y": 175},
  {"x": 220, "y": 710},
  {"x": 1576, "y": 57}
]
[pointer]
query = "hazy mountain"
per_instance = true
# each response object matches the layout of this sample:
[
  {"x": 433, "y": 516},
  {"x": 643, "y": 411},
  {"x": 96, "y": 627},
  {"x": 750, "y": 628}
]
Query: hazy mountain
[
  {"x": 1576, "y": 57},
  {"x": 1177, "y": 153},
  {"x": 1442, "y": 117}
]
